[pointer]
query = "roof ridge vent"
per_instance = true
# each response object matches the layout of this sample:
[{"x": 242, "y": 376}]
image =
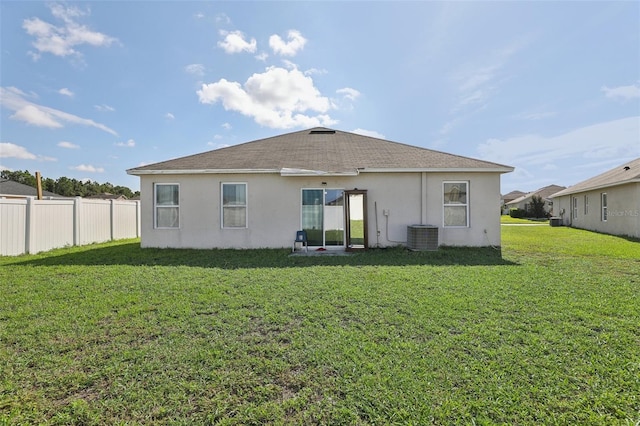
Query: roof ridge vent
[{"x": 322, "y": 132}]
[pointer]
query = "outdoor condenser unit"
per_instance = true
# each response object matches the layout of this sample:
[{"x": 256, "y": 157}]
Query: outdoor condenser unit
[{"x": 422, "y": 237}]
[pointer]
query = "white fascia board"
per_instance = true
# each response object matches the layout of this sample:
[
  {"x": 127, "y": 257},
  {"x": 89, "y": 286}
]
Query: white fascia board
[
  {"x": 285, "y": 171},
  {"x": 199, "y": 171},
  {"x": 439, "y": 170}
]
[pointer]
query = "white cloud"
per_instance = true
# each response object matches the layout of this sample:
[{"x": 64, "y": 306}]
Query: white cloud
[
  {"x": 477, "y": 81},
  {"x": 611, "y": 139},
  {"x": 66, "y": 92},
  {"x": 624, "y": 92},
  {"x": 169, "y": 116},
  {"x": 104, "y": 108},
  {"x": 223, "y": 19},
  {"x": 199, "y": 15},
  {"x": 39, "y": 115},
  {"x": 312, "y": 71},
  {"x": 226, "y": 126},
  {"x": 128, "y": 144},
  {"x": 349, "y": 93},
  {"x": 87, "y": 168},
  {"x": 278, "y": 98},
  {"x": 195, "y": 69},
  {"x": 262, "y": 56},
  {"x": 5, "y": 168},
  {"x": 35, "y": 116},
  {"x": 68, "y": 145},
  {"x": 11, "y": 150},
  {"x": 234, "y": 42},
  {"x": 295, "y": 42},
  {"x": 370, "y": 133},
  {"x": 63, "y": 40}
]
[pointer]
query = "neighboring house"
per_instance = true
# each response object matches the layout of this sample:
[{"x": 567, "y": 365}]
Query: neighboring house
[
  {"x": 345, "y": 190},
  {"x": 523, "y": 202},
  {"x": 107, "y": 196},
  {"x": 608, "y": 203},
  {"x": 11, "y": 189},
  {"x": 508, "y": 198}
]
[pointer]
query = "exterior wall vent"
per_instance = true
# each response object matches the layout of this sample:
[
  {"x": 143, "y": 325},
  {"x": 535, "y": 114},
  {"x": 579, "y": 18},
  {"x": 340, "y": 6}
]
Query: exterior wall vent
[
  {"x": 422, "y": 237},
  {"x": 322, "y": 132}
]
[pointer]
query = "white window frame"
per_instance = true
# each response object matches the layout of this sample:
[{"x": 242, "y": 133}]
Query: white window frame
[
  {"x": 586, "y": 205},
  {"x": 603, "y": 207},
  {"x": 574, "y": 207},
  {"x": 245, "y": 207},
  {"x": 167, "y": 206},
  {"x": 466, "y": 204}
]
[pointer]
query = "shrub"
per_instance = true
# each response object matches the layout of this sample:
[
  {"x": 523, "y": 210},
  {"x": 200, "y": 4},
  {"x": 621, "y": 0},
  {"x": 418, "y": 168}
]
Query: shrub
[{"x": 516, "y": 213}]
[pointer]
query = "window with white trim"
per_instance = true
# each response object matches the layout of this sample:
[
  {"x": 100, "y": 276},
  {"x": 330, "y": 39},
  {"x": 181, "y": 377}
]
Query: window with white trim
[
  {"x": 234, "y": 205},
  {"x": 166, "y": 209},
  {"x": 586, "y": 205},
  {"x": 575, "y": 207},
  {"x": 455, "y": 203},
  {"x": 603, "y": 203}
]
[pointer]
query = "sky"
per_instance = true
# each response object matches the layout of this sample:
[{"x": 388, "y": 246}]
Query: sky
[{"x": 91, "y": 89}]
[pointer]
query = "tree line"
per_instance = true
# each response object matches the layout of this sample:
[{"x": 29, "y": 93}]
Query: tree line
[{"x": 68, "y": 187}]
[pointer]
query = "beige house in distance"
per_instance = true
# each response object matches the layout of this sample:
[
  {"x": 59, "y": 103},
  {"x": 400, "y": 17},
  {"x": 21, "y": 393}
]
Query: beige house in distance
[
  {"x": 523, "y": 202},
  {"x": 347, "y": 191},
  {"x": 607, "y": 203}
]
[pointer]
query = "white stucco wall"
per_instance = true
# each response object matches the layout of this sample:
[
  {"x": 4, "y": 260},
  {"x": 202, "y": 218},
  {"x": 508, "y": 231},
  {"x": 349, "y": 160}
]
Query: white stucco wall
[
  {"x": 623, "y": 204},
  {"x": 274, "y": 208}
]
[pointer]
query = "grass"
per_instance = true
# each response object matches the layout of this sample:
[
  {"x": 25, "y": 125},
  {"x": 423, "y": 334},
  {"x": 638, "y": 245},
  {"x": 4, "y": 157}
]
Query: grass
[{"x": 543, "y": 332}]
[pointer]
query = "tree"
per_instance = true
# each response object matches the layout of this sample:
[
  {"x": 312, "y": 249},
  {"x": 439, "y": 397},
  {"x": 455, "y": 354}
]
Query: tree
[{"x": 536, "y": 207}]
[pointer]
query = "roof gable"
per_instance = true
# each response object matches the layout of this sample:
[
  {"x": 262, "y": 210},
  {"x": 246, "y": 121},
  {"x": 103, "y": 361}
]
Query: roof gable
[
  {"x": 544, "y": 193},
  {"x": 319, "y": 151},
  {"x": 625, "y": 173}
]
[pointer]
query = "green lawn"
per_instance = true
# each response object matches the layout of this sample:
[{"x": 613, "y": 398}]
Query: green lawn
[{"x": 545, "y": 332}]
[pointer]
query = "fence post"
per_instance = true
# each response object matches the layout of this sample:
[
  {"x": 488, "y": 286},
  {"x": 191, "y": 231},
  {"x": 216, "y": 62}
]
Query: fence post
[
  {"x": 76, "y": 220},
  {"x": 29, "y": 225},
  {"x": 113, "y": 219},
  {"x": 138, "y": 215}
]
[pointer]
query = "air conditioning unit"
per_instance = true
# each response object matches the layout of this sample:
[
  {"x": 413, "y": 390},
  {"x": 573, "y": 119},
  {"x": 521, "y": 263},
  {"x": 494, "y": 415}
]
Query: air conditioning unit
[{"x": 422, "y": 237}]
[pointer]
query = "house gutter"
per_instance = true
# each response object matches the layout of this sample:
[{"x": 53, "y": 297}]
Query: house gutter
[
  {"x": 437, "y": 170},
  {"x": 199, "y": 171},
  {"x": 285, "y": 171}
]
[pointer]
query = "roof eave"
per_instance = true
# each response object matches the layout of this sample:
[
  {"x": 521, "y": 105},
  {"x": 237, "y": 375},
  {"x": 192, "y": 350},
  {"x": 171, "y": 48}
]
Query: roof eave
[
  {"x": 570, "y": 191},
  {"x": 438, "y": 170},
  {"x": 142, "y": 172}
]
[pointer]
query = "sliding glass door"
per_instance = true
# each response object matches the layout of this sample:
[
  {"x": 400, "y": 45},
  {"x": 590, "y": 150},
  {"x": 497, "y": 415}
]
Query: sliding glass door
[{"x": 323, "y": 216}]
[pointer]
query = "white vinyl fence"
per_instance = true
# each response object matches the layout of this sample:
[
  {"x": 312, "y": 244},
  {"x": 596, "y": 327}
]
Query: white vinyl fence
[{"x": 31, "y": 226}]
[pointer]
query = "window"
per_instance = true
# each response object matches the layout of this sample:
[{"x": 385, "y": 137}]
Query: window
[
  {"x": 234, "y": 205},
  {"x": 167, "y": 205},
  {"x": 575, "y": 207},
  {"x": 603, "y": 202},
  {"x": 456, "y": 204},
  {"x": 586, "y": 205}
]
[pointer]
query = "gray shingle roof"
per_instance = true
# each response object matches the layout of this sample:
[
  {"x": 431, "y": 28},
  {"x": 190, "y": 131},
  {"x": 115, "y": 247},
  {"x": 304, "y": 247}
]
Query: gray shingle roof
[
  {"x": 320, "y": 150},
  {"x": 9, "y": 187},
  {"x": 544, "y": 193},
  {"x": 626, "y": 173}
]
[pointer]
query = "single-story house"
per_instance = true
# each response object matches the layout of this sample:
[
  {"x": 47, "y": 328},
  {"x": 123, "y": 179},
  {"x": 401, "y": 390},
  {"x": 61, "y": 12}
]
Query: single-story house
[
  {"x": 345, "y": 190},
  {"x": 13, "y": 189},
  {"x": 107, "y": 196},
  {"x": 524, "y": 202},
  {"x": 608, "y": 202},
  {"x": 506, "y": 198}
]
